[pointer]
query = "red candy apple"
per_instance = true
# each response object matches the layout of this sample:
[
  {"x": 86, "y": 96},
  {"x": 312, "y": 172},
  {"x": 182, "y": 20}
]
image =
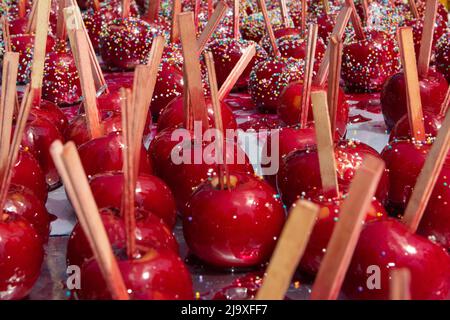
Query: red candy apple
[
  {"x": 150, "y": 232},
  {"x": 155, "y": 275},
  {"x": 21, "y": 256},
  {"x": 388, "y": 245},
  {"x": 269, "y": 78},
  {"x": 125, "y": 43},
  {"x": 173, "y": 115},
  {"x": 299, "y": 174},
  {"x": 105, "y": 154},
  {"x": 393, "y": 95},
  {"x": 152, "y": 194},
  {"x": 242, "y": 229},
  {"x": 366, "y": 64}
]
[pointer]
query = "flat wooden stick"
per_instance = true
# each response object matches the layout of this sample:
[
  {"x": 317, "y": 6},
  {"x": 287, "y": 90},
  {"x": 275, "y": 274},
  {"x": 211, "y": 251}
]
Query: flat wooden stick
[
  {"x": 308, "y": 74},
  {"x": 344, "y": 238},
  {"x": 273, "y": 42},
  {"x": 21, "y": 121},
  {"x": 284, "y": 13},
  {"x": 223, "y": 168},
  {"x": 426, "y": 43},
  {"x": 400, "y": 284},
  {"x": 236, "y": 33},
  {"x": 80, "y": 47},
  {"x": 326, "y": 6},
  {"x": 428, "y": 176},
  {"x": 94, "y": 226},
  {"x": 356, "y": 21},
  {"x": 61, "y": 33},
  {"x": 211, "y": 26},
  {"x": 7, "y": 105},
  {"x": 22, "y": 8},
  {"x": 31, "y": 25},
  {"x": 338, "y": 31},
  {"x": 153, "y": 10},
  {"x": 304, "y": 15},
  {"x": 289, "y": 250},
  {"x": 408, "y": 57},
  {"x": 334, "y": 77},
  {"x": 192, "y": 67},
  {"x": 5, "y": 34},
  {"x": 96, "y": 5},
  {"x": 175, "y": 29},
  {"x": 40, "y": 45},
  {"x": 210, "y": 8},
  {"x": 143, "y": 87},
  {"x": 74, "y": 21},
  {"x": 413, "y": 8},
  {"x": 126, "y": 8},
  {"x": 56, "y": 150},
  {"x": 196, "y": 14},
  {"x": 325, "y": 144},
  {"x": 446, "y": 103},
  {"x": 237, "y": 71},
  {"x": 129, "y": 181}
]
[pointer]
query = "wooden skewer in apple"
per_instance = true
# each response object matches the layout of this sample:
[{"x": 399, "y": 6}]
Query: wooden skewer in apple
[
  {"x": 289, "y": 250},
  {"x": 75, "y": 180}
]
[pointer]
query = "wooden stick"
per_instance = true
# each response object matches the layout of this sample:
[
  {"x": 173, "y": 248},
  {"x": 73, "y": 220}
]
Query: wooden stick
[
  {"x": 288, "y": 251},
  {"x": 22, "y": 8},
  {"x": 31, "y": 25},
  {"x": 81, "y": 55},
  {"x": 426, "y": 43},
  {"x": 192, "y": 67},
  {"x": 413, "y": 8},
  {"x": 96, "y": 5},
  {"x": 428, "y": 176},
  {"x": 61, "y": 33},
  {"x": 6, "y": 34},
  {"x": 347, "y": 230},
  {"x": 210, "y": 8},
  {"x": 446, "y": 103},
  {"x": 308, "y": 73},
  {"x": 129, "y": 181},
  {"x": 338, "y": 31},
  {"x": 143, "y": 87},
  {"x": 21, "y": 120},
  {"x": 356, "y": 21},
  {"x": 236, "y": 12},
  {"x": 284, "y": 13},
  {"x": 269, "y": 29},
  {"x": 196, "y": 14},
  {"x": 40, "y": 44},
  {"x": 211, "y": 26},
  {"x": 93, "y": 226},
  {"x": 74, "y": 21},
  {"x": 325, "y": 144},
  {"x": 7, "y": 105},
  {"x": 334, "y": 77},
  {"x": 187, "y": 107},
  {"x": 126, "y": 8},
  {"x": 153, "y": 10},
  {"x": 407, "y": 54},
  {"x": 304, "y": 15},
  {"x": 175, "y": 30},
  {"x": 400, "y": 284},
  {"x": 326, "y": 6},
  {"x": 237, "y": 71},
  {"x": 223, "y": 168}
]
